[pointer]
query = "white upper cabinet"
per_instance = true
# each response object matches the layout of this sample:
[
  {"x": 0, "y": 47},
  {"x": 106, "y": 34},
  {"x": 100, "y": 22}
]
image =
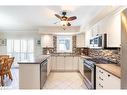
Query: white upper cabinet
[
  {"x": 80, "y": 40},
  {"x": 88, "y": 35},
  {"x": 47, "y": 40},
  {"x": 111, "y": 25},
  {"x": 114, "y": 31}
]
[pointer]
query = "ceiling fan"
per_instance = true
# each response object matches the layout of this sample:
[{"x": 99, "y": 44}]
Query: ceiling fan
[{"x": 64, "y": 19}]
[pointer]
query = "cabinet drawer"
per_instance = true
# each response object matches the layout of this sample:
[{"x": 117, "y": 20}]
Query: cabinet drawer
[
  {"x": 99, "y": 71},
  {"x": 99, "y": 85}
]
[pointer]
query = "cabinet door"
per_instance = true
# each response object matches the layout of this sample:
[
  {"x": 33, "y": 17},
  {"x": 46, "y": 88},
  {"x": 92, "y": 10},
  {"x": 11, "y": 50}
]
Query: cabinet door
[
  {"x": 60, "y": 63},
  {"x": 68, "y": 63},
  {"x": 47, "y": 41},
  {"x": 88, "y": 35},
  {"x": 114, "y": 31},
  {"x": 81, "y": 66},
  {"x": 111, "y": 81},
  {"x": 80, "y": 40},
  {"x": 75, "y": 63},
  {"x": 49, "y": 66},
  {"x": 54, "y": 63},
  {"x": 111, "y": 25}
]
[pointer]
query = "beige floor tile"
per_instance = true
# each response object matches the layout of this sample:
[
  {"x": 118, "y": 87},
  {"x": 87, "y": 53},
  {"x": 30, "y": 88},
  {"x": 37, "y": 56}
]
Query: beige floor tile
[{"x": 64, "y": 80}]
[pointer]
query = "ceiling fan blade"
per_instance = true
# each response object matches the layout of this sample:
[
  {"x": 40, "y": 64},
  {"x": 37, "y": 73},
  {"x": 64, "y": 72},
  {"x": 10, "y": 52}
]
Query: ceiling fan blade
[
  {"x": 68, "y": 24},
  {"x": 58, "y": 16},
  {"x": 71, "y": 18}
]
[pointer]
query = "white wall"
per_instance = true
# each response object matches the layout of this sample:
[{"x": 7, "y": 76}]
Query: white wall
[{"x": 20, "y": 35}]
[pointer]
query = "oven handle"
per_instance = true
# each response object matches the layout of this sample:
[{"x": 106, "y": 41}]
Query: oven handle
[{"x": 88, "y": 66}]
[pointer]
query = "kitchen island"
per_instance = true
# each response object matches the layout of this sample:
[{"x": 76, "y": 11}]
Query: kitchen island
[{"x": 33, "y": 73}]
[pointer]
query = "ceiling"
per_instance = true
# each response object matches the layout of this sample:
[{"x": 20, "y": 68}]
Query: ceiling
[{"x": 33, "y": 17}]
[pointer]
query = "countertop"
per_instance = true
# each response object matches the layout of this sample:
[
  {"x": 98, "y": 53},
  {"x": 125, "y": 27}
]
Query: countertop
[
  {"x": 37, "y": 60},
  {"x": 111, "y": 68},
  {"x": 82, "y": 56}
]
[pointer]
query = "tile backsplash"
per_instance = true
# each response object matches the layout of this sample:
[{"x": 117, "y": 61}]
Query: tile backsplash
[{"x": 112, "y": 55}]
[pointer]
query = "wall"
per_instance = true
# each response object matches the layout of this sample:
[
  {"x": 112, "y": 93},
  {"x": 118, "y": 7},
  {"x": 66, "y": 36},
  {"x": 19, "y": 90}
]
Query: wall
[
  {"x": 20, "y": 35},
  {"x": 124, "y": 51}
]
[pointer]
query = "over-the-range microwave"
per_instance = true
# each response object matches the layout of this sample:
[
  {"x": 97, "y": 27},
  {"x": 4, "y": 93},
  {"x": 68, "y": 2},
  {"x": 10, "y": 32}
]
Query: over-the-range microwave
[{"x": 99, "y": 41}]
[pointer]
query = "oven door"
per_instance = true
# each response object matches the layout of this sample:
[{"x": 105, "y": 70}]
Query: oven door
[{"x": 89, "y": 76}]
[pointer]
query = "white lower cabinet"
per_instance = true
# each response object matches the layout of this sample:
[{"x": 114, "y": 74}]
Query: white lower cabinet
[
  {"x": 54, "y": 63},
  {"x": 64, "y": 63},
  {"x": 105, "y": 80},
  {"x": 68, "y": 63},
  {"x": 75, "y": 63},
  {"x": 60, "y": 63},
  {"x": 81, "y": 66},
  {"x": 49, "y": 65}
]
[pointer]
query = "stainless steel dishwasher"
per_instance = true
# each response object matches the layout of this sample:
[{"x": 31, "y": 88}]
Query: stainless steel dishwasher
[{"x": 43, "y": 73}]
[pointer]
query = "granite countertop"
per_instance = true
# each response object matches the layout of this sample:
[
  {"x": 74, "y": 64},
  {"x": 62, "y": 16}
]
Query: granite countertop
[
  {"x": 111, "y": 68},
  {"x": 37, "y": 60},
  {"x": 64, "y": 54},
  {"x": 83, "y": 56}
]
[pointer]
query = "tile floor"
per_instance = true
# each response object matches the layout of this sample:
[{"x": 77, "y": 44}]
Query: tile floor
[
  {"x": 12, "y": 84},
  {"x": 56, "y": 80},
  {"x": 64, "y": 80}
]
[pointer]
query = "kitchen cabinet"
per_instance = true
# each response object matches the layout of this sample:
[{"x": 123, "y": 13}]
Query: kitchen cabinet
[
  {"x": 60, "y": 63},
  {"x": 64, "y": 63},
  {"x": 33, "y": 73},
  {"x": 111, "y": 25},
  {"x": 80, "y": 40},
  {"x": 68, "y": 63},
  {"x": 81, "y": 66},
  {"x": 75, "y": 63},
  {"x": 88, "y": 35},
  {"x": 49, "y": 65},
  {"x": 114, "y": 31},
  {"x": 54, "y": 63},
  {"x": 105, "y": 80},
  {"x": 47, "y": 40},
  {"x": 94, "y": 30}
]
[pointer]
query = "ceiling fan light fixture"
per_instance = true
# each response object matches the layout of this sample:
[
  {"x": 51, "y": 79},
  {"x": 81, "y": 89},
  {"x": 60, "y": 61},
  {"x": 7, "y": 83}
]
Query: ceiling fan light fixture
[{"x": 64, "y": 23}]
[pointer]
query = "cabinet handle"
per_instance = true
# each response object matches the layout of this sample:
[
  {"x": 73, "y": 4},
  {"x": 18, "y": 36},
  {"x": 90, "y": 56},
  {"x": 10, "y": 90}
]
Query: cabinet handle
[
  {"x": 108, "y": 75},
  {"x": 100, "y": 71},
  {"x": 100, "y": 85},
  {"x": 100, "y": 78}
]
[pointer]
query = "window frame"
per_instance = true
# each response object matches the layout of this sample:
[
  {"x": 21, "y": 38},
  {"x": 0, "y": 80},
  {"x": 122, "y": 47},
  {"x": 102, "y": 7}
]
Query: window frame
[{"x": 64, "y": 37}]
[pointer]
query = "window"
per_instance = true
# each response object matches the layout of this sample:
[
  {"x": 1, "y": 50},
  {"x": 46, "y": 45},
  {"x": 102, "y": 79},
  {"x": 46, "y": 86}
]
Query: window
[
  {"x": 21, "y": 49},
  {"x": 64, "y": 44}
]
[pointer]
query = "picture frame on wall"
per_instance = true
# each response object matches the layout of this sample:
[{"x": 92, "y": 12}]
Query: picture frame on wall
[{"x": 3, "y": 42}]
